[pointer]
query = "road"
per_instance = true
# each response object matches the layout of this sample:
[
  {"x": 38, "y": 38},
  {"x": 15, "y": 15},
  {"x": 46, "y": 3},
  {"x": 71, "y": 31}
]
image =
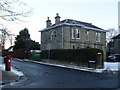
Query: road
[{"x": 45, "y": 76}]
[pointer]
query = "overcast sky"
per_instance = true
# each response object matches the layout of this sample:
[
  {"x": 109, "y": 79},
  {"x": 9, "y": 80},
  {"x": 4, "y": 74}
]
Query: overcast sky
[{"x": 102, "y": 13}]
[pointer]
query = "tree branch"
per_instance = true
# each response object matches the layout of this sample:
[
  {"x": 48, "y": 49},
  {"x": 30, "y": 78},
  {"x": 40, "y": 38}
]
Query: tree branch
[{"x": 9, "y": 14}]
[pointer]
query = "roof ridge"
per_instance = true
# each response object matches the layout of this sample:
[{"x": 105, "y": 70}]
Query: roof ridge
[
  {"x": 80, "y": 22},
  {"x": 77, "y": 21}
]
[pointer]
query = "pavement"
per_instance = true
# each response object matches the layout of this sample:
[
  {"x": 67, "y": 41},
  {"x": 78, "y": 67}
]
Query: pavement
[{"x": 8, "y": 77}]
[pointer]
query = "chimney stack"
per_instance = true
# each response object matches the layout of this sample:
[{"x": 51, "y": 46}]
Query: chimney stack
[
  {"x": 57, "y": 18},
  {"x": 48, "y": 22}
]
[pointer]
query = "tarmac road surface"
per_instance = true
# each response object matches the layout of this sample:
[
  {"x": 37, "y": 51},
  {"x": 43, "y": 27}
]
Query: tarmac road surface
[{"x": 45, "y": 76}]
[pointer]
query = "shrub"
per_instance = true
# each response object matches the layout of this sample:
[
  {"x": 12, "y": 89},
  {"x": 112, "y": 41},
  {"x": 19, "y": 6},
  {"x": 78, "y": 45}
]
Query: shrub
[{"x": 77, "y": 55}]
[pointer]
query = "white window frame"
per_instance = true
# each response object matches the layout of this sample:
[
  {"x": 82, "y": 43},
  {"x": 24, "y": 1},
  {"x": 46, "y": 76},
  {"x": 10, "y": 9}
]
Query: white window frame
[
  {"x": 98, "y": 37},
  {"x": 77, "y": 34},
  {"x": 73, "y": 34},
  {"x": 51, "y": 35},
  {"x": 88, "y": 36}
]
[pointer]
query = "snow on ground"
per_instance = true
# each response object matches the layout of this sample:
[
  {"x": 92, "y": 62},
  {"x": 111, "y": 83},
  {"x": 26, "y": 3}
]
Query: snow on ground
[
  {"x": 19, "y": 73},
  {"x": 108, "y": 66},
  {"x": 2, "y": 66},
  {"x": 14, "y": 70},
  {"x": 113, "y": 66}
]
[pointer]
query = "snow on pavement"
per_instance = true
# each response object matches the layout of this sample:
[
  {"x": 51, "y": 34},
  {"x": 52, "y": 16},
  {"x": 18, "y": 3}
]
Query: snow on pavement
[
  {"x": 14, "y": 70},
  {"x": 113, "y": 66},
  {"x": 19, "y": 73},
  {"x": 108, "y": 66}
]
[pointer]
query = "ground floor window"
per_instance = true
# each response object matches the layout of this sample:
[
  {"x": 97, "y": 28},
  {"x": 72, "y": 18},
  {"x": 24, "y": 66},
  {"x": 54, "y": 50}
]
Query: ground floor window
[{"x": 75, "y": 47}]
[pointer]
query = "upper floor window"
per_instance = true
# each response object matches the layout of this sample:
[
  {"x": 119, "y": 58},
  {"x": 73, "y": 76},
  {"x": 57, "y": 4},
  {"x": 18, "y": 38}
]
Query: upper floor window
[
  {"x": 75, "y": 34},
  {"x": 51, "y": 35},
  {"x": 87, "y": 36},
  {"x": 98, "y": 37}
]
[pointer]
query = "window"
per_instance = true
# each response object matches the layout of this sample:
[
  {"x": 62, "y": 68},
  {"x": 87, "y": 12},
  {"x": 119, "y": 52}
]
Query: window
[
  {"x": 54, "y": 33},
  {"x": 75, "y": 34},
  {"x": 119, "y": 28},
  {"x": 87, "y": 36},
  {"x": 78, "y": 47},
  {"x": 97, "y": 37},
  {"x": 51, "y": 37},
  {"x": 73, "y": 47}
]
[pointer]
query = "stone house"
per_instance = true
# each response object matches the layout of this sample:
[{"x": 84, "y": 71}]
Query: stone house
[
  {"x": 72, "y": 34},
  {"x": 114, "y": 45}
]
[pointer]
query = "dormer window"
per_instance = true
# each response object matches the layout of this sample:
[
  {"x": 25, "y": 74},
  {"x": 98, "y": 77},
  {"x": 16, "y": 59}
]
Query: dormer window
[{"x": 73, "y": 22}]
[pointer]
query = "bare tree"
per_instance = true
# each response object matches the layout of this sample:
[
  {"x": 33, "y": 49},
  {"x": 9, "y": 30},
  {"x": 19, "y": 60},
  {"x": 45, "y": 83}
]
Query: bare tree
[
  {"x": 12, "y": 10},
  {"x": 110, "y": 34},
  {"x": 4, "y": 36},
  {"x": 11, "y": 35}
]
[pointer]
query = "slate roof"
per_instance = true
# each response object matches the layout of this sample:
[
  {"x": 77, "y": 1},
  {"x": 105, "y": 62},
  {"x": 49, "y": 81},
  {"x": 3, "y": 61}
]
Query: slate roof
[
  {"x": 116, "y": 37},
  {"x": 81, "y": 23},
  {"x": 72, "y": 22}
]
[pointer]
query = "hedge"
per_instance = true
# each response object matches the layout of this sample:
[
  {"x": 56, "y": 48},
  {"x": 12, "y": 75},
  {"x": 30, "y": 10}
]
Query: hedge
[{"x": 83, "y": 55}]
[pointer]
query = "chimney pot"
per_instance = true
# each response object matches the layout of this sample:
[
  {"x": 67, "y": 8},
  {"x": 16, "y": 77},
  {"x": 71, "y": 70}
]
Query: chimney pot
[
  {"x": 48, "y": 22},
  {"x": 57, "y": 14},
  {"x": 57, "y": 18},
  {"x": 48, "y": 18}
]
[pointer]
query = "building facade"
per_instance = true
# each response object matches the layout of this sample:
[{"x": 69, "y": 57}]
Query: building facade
[
  {"x": 114, "y": 45},
  {"x": 72, "y": 34}
]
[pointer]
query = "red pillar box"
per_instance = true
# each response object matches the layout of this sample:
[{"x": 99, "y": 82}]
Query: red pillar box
[{"x": 8, "y": 63}]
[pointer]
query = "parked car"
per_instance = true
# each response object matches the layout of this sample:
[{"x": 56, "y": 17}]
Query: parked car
[{"x": 114, "y": 58}]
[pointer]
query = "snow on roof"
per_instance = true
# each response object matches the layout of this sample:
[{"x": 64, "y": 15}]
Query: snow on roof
[
  {"x": 71, "y": 22},
  {"x": 116, "y": 37}
]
